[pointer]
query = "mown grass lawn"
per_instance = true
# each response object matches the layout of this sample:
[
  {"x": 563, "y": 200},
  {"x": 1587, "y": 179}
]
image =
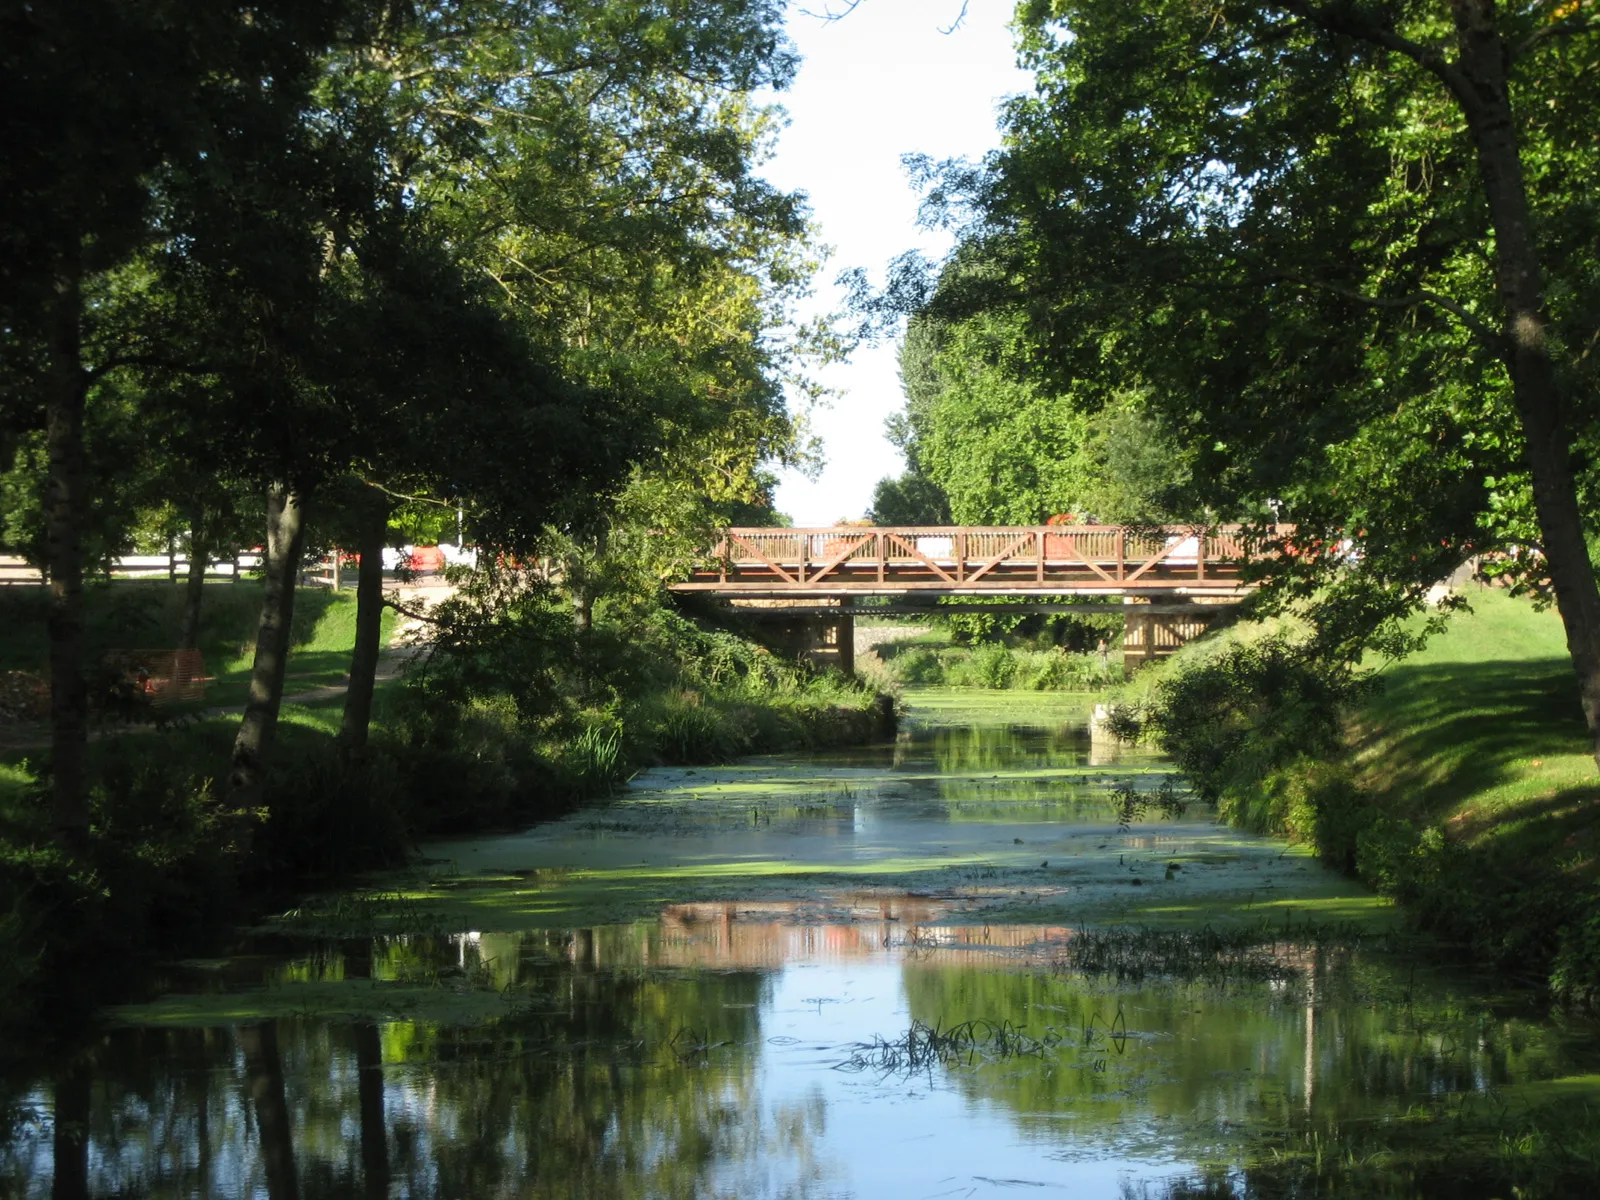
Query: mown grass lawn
[
  {"x": 1481, "y": 733},
  {"x": 145, "y": 615}
]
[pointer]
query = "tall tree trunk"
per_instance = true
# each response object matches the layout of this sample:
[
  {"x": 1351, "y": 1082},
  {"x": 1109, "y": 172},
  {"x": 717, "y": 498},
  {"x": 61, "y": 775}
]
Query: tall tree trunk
[
  {"x": 194, "y": 586},
  {"x": 1520, "y": 283},
  {"x": 369, "y": 625},
  {"x": 264, "y": 1072},
  {"x": 253, "y": 745},
  {"x": 65, "y": 503}
]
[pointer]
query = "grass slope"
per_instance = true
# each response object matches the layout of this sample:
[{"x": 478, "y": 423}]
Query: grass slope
[
  {"x": 1481, "y": 735},
  {"x": 1481, "y": 732},
  {"x": 142, "y": 614},
  {"x": 1463, "y": 786}
]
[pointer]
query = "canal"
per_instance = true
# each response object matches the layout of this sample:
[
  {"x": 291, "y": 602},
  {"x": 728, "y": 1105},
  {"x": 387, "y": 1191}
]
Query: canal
[{"x": 943, "y": 966}]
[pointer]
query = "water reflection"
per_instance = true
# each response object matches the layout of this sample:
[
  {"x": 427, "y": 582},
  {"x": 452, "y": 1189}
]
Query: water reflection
[
  {"x": 699, "y": 1055},
  {"x": 810, "y": 920}
]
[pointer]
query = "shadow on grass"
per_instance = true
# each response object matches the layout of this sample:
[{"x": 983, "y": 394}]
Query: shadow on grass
[
  {"x": 309, "y": 669},
  {"x": 1448, "y": 729},
  {"x": 144, "y": 614},
  {"x": 1495, "y": 751}
]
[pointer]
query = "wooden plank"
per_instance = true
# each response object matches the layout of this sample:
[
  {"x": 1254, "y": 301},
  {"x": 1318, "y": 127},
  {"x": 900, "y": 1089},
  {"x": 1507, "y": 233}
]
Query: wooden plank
[
  {"x": 834, "y": 561},
  {"x": 1072, "y": 549}
]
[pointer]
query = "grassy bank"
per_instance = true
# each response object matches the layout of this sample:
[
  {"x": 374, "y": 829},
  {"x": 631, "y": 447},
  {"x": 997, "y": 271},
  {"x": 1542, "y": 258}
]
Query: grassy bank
[
  {"x": 146, "y": 615},
  {"x": 170, "y": 856},
  {"x": 1479, "y": 794},
  {"x": 1459, "y": 781}
]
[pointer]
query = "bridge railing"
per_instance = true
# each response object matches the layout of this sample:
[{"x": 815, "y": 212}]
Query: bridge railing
[{"x": 968, "y": 558}]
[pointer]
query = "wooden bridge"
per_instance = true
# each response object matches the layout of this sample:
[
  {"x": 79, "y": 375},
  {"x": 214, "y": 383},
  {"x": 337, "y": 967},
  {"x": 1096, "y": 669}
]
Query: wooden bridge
[
  {"x": 1169, "y": 583},
  {"x": 1056, "y": 560}
]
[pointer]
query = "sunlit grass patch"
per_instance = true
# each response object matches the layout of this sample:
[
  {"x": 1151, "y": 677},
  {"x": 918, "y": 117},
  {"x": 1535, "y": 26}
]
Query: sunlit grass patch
[{"x": 15, "y": 779}]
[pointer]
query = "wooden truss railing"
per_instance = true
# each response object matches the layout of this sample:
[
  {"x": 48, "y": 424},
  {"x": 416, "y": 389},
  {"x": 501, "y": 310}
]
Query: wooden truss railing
[{"x": 972, "y": 560}]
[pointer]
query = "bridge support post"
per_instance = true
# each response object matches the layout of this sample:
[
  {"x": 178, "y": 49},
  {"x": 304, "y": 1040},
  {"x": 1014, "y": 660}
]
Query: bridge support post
[{"x": 844, "y": 632}]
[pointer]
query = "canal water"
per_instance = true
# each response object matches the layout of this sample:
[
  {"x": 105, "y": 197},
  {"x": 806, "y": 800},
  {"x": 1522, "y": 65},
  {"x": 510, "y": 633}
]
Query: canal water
[{"x": 939, "y": 967}]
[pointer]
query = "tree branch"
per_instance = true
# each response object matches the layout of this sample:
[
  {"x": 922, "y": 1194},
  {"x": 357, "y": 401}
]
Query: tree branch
[
  {"x": 415, "y": 614},
  {"x": 827, "y": 14},
  {"x": 1341, "y": 18},
  {"x": 1490, "y": 339},
  {"x": 1569, "y": 27},
  {"x": 394, "y": 495},
  {"x": 960, "y": 17}
]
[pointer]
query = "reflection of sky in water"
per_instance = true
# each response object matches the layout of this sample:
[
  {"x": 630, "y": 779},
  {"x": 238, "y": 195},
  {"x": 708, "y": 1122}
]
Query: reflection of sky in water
[
  {"x": 715, "y": 1071},
  {"x": 918, "y": 1134}
]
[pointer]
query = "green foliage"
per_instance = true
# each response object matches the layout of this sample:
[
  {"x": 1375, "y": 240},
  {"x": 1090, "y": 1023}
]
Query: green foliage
[
  {"x": 912, "y": 499},
  {"x": 915, "y": 665},
  {"x": 1234, "y": 716},
  {"x": 993, "y": 666},
  {"x": 1001, "y": 447},
  {"x": 1137, "y": 472},
  {"x": 595, "y": 757},
  {"x": 1252, "y": 239},
  {"x": 988, "y": 440},
  {"x": 997, "y": 665},
  {"x": 1462, "y": 787}
]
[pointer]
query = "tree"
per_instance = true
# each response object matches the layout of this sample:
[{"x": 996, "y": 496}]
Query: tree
[
  {"x": 911, "y": 499},
  {"x": 594, "y": 163},
  {"x": 100, "y": 95},
  {"x": 1347, "y": 246},
  {"x": 494, "y": 253}
]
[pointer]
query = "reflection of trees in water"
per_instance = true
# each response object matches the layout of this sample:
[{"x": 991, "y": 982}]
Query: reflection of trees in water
[
  {"x": 1004, "y": 748},
  {"x": 1208, "y": 1060},
  {"x": 264, "y": 1077},
  {"x": 598, "y": 1081}
]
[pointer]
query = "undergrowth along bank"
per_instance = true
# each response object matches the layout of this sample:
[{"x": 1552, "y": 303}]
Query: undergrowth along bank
[
  {"x": 454, "y": 747},
  {"x": 935, "y": 659},
  {"x": 1458, "y": 780}
]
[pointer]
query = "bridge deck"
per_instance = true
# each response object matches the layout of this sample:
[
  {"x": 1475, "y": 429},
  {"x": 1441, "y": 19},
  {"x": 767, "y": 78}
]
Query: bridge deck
[{"x": 974, "y": 561}]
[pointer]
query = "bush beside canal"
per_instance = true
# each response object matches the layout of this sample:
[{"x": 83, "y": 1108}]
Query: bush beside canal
[
  {"x": 1458, "y": 780},
  {"x": 454, "y": 748}
]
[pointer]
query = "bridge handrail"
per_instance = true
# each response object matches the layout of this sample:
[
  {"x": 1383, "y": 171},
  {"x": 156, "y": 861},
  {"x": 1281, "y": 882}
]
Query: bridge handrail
[{"x": 1222, "y": 541}]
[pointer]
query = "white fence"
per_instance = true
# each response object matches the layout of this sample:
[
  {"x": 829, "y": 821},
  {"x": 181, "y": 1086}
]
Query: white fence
[
  {"x": 143, "y": 566},
  {"x": 176, "y": 566}
]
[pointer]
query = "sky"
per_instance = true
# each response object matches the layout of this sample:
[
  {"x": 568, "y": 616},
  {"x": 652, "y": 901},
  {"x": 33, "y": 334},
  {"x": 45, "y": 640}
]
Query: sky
[{"x": 880, "y": 83}]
